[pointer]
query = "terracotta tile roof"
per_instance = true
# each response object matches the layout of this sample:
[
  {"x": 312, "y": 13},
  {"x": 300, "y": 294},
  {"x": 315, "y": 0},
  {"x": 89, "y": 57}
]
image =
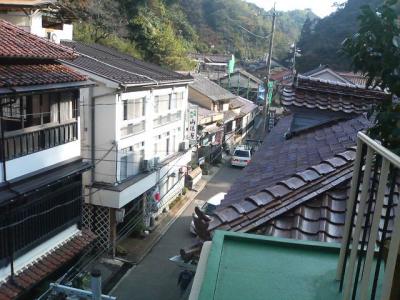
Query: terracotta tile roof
[
  {"x": 44, "y": 266},
  {"x": 316, "y": 93},
  {"x": 272, "y": 201},
  {"x": 119, "y": 67},
  {"x": 284, "y": 76},
  {"x": 356, "y": 78},
  {"x": 12, "y": 75},
  {"x": 279, "y": 158},
  {"x": 17, "y": 43}
]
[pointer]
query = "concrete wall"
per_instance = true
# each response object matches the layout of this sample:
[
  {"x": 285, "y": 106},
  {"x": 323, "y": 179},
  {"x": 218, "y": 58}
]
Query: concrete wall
[
  {"x": 34, "y": 162},
  {"x": 109, "y": 142},
  {"x": 117, "y": 199},
  {"x": 33, "y": 23}
]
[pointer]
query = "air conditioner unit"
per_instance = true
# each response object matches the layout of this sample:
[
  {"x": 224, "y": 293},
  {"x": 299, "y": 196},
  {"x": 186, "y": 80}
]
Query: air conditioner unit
[
  {"x": 156, "y": 161},
  {"x": 184, "y": 146},
  {"x": 53, "y": 37},
  {"x": 147, "y": 165},
  {"x": 120, "y": 215}
]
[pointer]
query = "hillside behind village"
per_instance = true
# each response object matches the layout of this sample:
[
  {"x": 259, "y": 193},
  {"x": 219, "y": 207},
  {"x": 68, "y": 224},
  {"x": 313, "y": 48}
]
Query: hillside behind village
[{"x": 164, "y": 31}]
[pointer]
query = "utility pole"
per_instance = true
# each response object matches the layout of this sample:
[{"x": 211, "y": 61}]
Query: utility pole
[
  {"x": 294, "y": 57},
  {"x": 271, "y": 44}
]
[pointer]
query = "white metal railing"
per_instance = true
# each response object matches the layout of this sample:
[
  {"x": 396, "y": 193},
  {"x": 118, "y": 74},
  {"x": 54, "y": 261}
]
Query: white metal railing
[
  {"x": 133, "y": 129},
  {"x": 361, "y": 242}
]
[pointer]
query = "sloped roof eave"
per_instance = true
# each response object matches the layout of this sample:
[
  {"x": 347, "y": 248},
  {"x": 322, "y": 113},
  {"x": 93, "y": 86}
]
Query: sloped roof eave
[{"x": 286, "y": 194}]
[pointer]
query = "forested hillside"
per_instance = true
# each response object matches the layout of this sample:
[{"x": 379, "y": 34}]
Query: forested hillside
[
  {"x": 321, "y": 40},
  {"x": 164, "y": 31}
]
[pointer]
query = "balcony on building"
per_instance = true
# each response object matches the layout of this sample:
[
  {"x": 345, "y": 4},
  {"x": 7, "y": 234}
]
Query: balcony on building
[
  {"x": 39, "y": 131},
  {"x": 365, "y": 265}
]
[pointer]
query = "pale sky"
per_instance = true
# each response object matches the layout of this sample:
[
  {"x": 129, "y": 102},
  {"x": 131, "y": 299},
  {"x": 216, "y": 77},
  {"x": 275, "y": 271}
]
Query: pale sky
[{"x": 321, "y": 8}]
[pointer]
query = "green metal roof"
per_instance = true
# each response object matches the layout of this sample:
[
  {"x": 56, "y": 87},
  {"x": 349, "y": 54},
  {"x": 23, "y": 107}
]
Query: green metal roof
[{"x": 244, "y": 266}]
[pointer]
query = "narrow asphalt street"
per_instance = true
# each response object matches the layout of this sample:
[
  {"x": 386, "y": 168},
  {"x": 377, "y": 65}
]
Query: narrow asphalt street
[{"x": 155, "y": 278}]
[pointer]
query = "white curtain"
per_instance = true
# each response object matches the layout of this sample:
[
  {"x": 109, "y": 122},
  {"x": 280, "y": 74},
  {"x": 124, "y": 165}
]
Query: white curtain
[
  {"x": 66, "y": 107},
  {"x": 53, "y": 109}
]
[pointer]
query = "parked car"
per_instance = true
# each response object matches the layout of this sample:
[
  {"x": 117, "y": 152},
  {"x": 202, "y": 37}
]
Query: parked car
[
  {"x": 241, "y": 156},
  {"x": 208, "y": 208}
]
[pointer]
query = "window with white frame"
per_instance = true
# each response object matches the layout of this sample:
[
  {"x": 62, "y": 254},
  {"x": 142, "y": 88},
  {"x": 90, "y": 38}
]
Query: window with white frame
[
  {"x": 179, "y": 99},
  {"x": 161, "y": 103},
  {"x": 131, "y": 158},
  {"x": 133, "y": 108},
  {"x": 163, "y": 146},
  {"x": 176, "y": 101},
  {"x": 173, "y": 104}
]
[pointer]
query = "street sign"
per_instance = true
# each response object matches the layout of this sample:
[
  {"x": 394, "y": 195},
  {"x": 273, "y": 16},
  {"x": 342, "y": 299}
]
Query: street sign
[
  {"x": 261, "y": 93},
  {"x": 192, "y": 122},
  {"x": 270, "y": 91},
  {"x": 231, "y": 65}
]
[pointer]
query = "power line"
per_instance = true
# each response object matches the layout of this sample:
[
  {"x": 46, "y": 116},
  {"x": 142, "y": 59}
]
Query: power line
[{"x": 247, "y": 30}]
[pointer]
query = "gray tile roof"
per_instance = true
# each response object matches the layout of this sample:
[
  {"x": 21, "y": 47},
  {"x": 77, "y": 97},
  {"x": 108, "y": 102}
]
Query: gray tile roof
[
  {"x": 204, "y": 112},
  {"x": 235, "y": 103},
  {"x": 279, "y": 158},
  {"x": 119, "y": 67},
  {"x": 229, "y": 115},
  {"x": 214, "y": 58},
  {"x": 309, "y": 205},
  {"x": 245, "y": 74},
  {"x": 271, "y": 201},
  {"x": 210, "y": 89},
  {"x": 246, "y": 106},
  {"x": 323, "y": 218},
  {"x": 316, "y": 93}
]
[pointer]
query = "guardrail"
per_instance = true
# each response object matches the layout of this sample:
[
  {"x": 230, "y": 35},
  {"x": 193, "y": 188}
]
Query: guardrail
[
  {"x": 31, "y": 140},
  {"x": 133, "y": 129},
  {"x": 370, "y": 208},
  {"x": 163, "y": 120}
]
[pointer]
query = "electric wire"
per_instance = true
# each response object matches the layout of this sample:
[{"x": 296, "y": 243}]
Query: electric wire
[{"x": 247, "y": 30}]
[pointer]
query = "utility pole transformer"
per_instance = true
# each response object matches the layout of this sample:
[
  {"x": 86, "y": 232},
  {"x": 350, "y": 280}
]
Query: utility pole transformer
[{"x": 271, "y": 44}]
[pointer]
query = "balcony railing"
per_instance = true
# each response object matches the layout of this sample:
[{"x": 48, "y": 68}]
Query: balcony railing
[
  {"x": 47, "y": 212},
  {"x": 163, "y": 120},
  {"x": 34, "y": 139},
  {"x": 133, "y": 129},
  {"x": 372, "y": 224}
]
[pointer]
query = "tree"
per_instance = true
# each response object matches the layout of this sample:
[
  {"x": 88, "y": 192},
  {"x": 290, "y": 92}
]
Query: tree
[
  {"x": 158, "y": 39},
  {"x": 375, "y": 52},
  {"x": 103, "y": 17}
]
